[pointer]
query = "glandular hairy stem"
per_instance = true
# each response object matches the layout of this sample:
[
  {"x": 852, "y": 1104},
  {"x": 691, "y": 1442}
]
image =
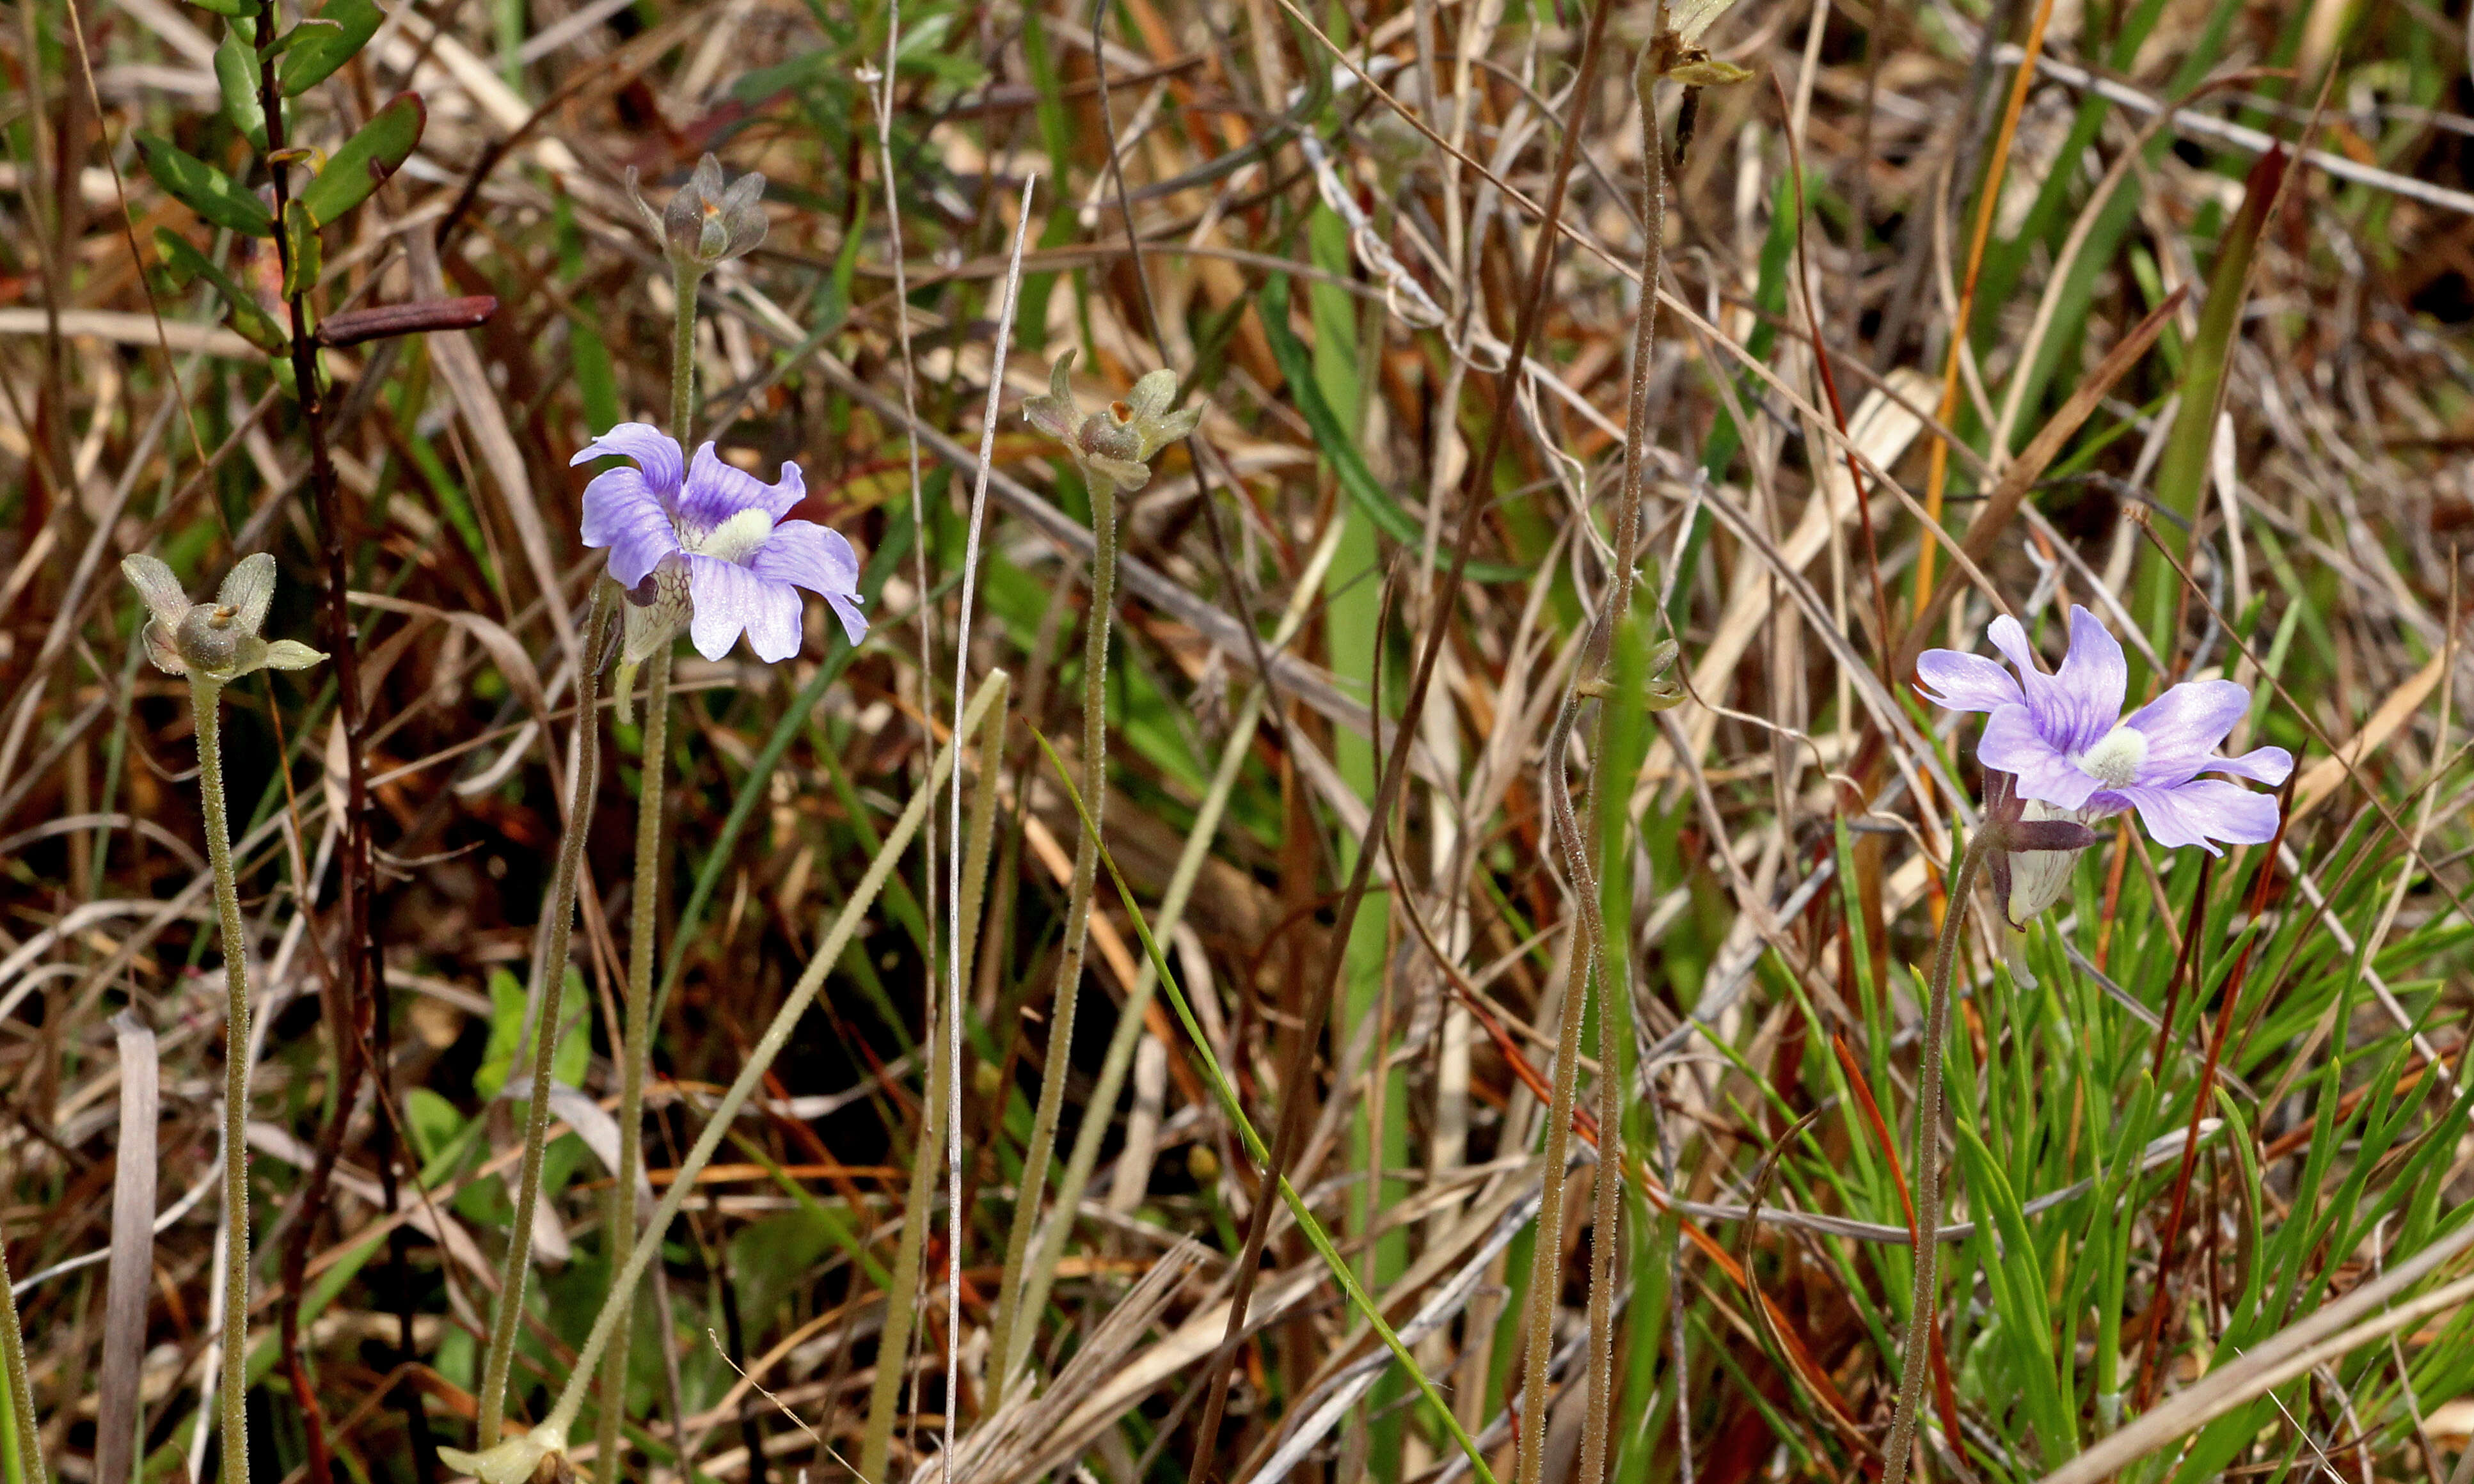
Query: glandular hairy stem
[
  {"x": 553, "y": 1429},
  {"x": 636, "y": 1055},
  {"x": 21, "y": 1386},
  {"x": 1927, "y": 1165},
  {"x": 1004, "y": 1346},
  {"x": 550, "y": 984},
  {"x": 206, "y": 701}
]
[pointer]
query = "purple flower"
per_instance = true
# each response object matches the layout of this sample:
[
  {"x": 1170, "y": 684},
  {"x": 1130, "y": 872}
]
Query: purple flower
[
  {"x": 700, "y": 547},
  {"x": 2063, "y": 738}
]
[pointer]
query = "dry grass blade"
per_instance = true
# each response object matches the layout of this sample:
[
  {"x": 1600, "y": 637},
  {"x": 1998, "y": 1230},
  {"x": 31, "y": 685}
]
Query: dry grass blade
[{"x": 131, "y": 1273}]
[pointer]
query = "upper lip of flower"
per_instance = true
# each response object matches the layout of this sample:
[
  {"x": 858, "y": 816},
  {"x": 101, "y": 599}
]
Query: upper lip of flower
[{"x": 2065, "y": 738}]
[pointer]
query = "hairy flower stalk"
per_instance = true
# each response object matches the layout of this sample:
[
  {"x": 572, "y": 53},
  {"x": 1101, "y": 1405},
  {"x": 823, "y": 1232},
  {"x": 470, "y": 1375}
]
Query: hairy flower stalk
[
  {"x": 21, "y": 1386},
  {"x": 213, "y": 644},
  {"x": 705, "y": 223},
  {"x": 2059, "y": 756},
  {"x": 1114, "y": 450},
  {"x": 514, "y": 1460},
  {"x": 549, "y": 986}
]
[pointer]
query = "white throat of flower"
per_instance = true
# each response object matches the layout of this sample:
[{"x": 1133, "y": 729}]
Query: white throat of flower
[
  {"x": 2116, "y": 757},
  {"x": 734, "y": 539}
]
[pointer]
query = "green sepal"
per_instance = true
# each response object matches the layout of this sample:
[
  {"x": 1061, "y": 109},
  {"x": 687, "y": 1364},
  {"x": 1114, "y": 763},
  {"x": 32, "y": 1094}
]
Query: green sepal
[
  {"x": 183, "y": 264},
  {"x": 303, "y": 259},
  {"x": 318, "y": 46},
  {"x": 237, "y": 71},
  {"x": 367, "y": 159},
  {"x": 203, "y": 188}
]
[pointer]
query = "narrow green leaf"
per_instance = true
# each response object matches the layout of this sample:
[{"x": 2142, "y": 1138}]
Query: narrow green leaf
[
  {"x": 236, "y": 72},
  {"x": 366, "y": 159},
  {"x": 184, "y": 264},
  {"x": 303, "y": 260},
  {"x": 316, "y": 51},
  {"x": 1339, "y": 449},
  {"x": 203, "y": 188},
  {"x": 237, "y": 8}
]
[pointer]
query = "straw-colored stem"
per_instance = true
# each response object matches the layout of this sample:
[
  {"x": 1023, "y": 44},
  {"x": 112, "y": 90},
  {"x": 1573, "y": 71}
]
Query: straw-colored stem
[
  {"x": 205, "y": 700},
  {"x": 553, "y": 1432},
  {"x": 1059, "y": 1060},
  {"x": 550, "y": 984},
  {"x": 902, "y": 1296},
  {"x": 636, "y": 1057},
  {"x": 1927, "y": 1165}
]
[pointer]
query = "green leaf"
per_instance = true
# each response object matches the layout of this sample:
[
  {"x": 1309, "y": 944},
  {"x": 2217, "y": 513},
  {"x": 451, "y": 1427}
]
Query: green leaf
[
  {"x": 1340, "y": 451},
  {"x": 236, "y": 70},
  {"x": 184, "y": 264},
  {"x": 432, "y": 1121},
  {"x": 203, "y": 188},
  {"x": 303, "y": 260},
  {"x": 238, "y": 10},
  {"x": 366, "y": 159},
  {"x": 506, "y": 1028},
  {"x": 316, "y": 51}
]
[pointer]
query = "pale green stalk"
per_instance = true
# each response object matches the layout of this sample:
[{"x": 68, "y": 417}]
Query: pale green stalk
[
  {"x": 1102, "y": 1109},
  {"x": 1078, "y": 924},
  {"x": 643, "y": 925},
  {"x": 1924, "y": 1303},
  {"x": 683, "y": 280},
  {"x": 549, "y": 984},
  {"x": 1610, "y": 827},
  {"x": 901, "y": 1298},
  {"x": 636, "y": 1055},
  {"x": 21, "y": 1385},
  {"x": 551, "y": 1433},
  {"x": 205, "y": 702}
]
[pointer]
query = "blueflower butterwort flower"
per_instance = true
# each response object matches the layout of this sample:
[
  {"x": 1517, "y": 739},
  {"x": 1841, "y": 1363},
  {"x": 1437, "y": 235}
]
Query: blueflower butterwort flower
[
  {"x": 2071, "y": 754},
  {"x": 704, "y": 546}
]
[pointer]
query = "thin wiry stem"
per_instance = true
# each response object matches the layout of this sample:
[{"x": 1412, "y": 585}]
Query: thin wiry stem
[
  {"x": 636, "y": 1059},
  {"x": 1077, "y": 931},
  {"x": 549, "y": 984},
  {"x": 206, "y": 701},
  {"x": 1923, "y": 1303},
  {"x": 553, "y": 1429},
  {"x": 683, "y": 281},
  {"x": 953, "y": 831},
  {"x": 1610, "y": 825}
]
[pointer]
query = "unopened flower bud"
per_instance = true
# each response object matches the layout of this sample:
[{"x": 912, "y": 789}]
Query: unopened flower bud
[
  {"x": 709, "y": 221},
  {"x": 1117, "y": 443},
  {"x": 219, "y": 641}
]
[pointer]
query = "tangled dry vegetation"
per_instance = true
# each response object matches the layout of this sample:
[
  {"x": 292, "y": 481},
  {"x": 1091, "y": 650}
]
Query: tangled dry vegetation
[{"x": 1574, "y": 983}]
